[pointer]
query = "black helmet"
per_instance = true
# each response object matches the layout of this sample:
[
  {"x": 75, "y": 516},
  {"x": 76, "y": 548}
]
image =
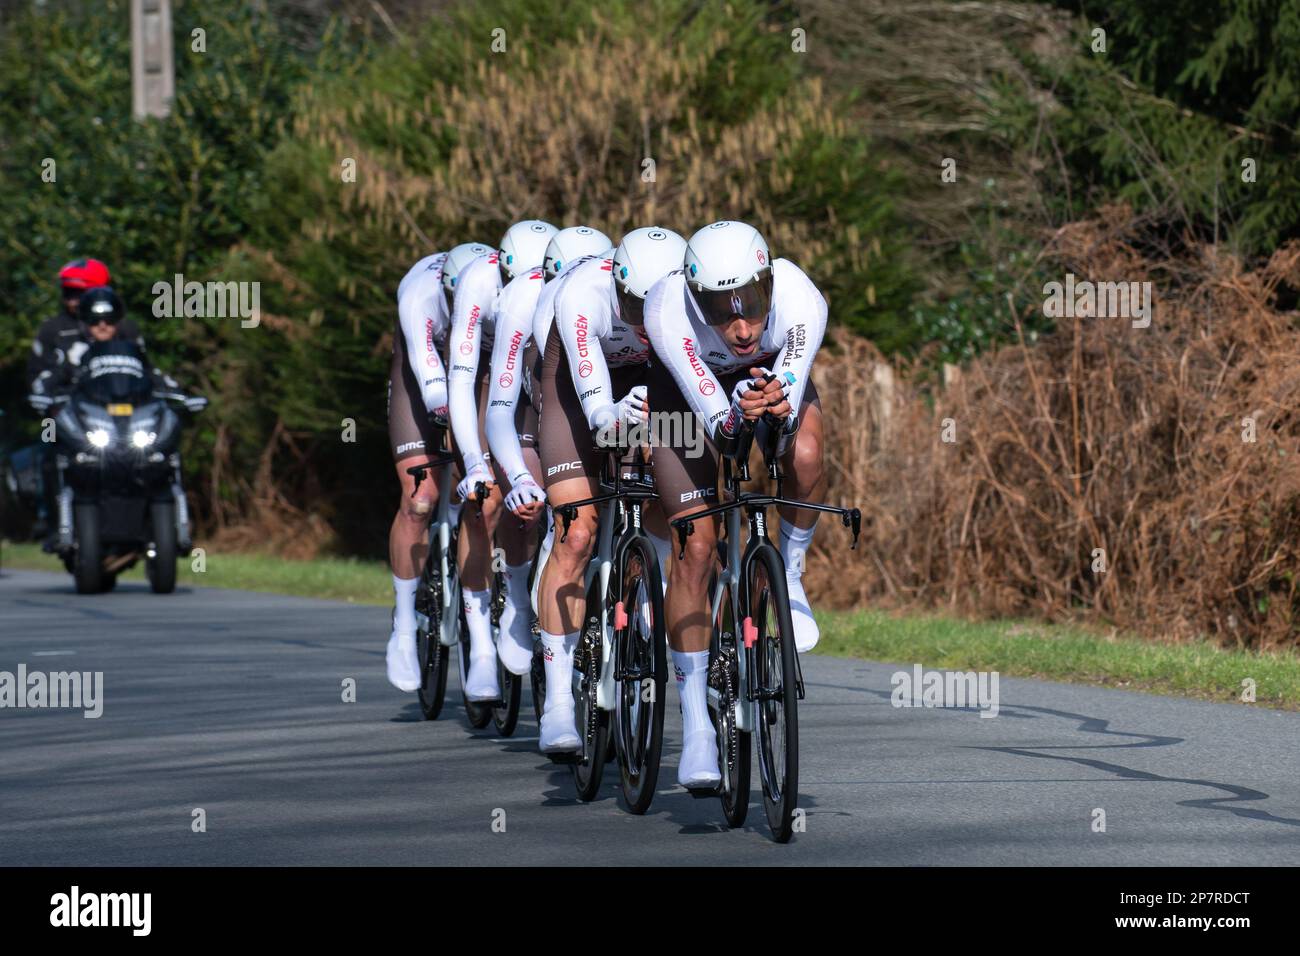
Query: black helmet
[{"x": 101, "y": 305}]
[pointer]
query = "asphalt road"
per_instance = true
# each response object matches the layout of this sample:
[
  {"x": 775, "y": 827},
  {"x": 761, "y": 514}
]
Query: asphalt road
[{"x": 232, "y": 702}]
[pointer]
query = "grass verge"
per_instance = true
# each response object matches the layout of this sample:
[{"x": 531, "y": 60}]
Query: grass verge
[{"x": 1013, "y": 648}]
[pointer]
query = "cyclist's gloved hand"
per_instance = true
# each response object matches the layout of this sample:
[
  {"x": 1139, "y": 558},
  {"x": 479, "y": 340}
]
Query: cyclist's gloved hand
[
  {"x": 777, "y": 392},
  {"x": 632, "y": 409},
  {"x": 613, "y": 422},
  {"x": 727, "y": 436},
  {"x": 438, "y": 418},
  {"x": 524, "y": 491},
  {"x": 476, "y": 474}
]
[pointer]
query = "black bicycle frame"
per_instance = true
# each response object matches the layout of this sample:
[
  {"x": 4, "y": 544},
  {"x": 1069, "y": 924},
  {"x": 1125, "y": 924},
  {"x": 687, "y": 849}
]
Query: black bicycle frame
[{"x": 755, "y": 507}]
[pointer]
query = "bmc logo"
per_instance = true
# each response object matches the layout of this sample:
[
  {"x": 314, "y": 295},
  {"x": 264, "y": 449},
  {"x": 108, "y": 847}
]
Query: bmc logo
[
  {"x": 584, "y": 368},
  {"x": 566, "y": 466},
  {"x": 696, "y": 493}
]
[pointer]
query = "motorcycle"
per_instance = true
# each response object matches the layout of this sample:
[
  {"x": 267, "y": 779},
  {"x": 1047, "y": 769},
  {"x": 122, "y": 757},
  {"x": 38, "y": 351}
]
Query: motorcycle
[{"x": 119, "y": 491}]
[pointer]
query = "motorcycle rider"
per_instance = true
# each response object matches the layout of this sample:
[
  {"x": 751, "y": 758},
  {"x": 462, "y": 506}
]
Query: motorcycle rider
[
  {"x": 57, "y": 348},
  {"x": 63, "y": 339},
  {"x": 102, "y": 314}
]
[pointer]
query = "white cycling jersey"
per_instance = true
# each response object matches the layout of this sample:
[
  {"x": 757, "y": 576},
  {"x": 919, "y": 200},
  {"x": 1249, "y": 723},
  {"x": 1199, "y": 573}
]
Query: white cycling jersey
[
  {"x": 513, "y": 331},
  {"x": 422, "y": 315},
  {"x": 595, "y": 339},
  {"x": 695, "y": 354},
  {"x": 473, "y": 325},
  {"x": 544, "y": 316},
  {"x": 431, "y": 261}
]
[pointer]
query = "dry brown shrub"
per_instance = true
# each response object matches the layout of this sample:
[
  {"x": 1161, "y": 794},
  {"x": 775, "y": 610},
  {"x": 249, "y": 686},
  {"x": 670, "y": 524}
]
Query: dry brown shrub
[{"x": 1099, "y": 436}]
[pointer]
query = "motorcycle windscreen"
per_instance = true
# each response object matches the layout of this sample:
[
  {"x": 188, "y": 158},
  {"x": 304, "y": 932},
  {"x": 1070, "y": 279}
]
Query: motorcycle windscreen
[{"x": 114, "y": 372}]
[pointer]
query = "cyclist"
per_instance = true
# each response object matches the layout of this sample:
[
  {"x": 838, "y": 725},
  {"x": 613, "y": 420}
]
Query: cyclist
[
  {"x": 481, "y": 308},
  {"x": 417, "y": 414},
  {"x": 593, "y": 390},
  {"x": 512, "y": 422},
  {"x": 720, "y": 326}
]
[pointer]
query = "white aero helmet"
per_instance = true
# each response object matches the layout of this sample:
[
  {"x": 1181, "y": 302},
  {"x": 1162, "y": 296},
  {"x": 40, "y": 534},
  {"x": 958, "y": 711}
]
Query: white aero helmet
[
  {"x": 729, "y": 272},
  {"x": 459, "y": 257},
  {"x": 643, "y": 258},
  {"x": 569, "y": 245},
  {"x": 524, "y": 246}
]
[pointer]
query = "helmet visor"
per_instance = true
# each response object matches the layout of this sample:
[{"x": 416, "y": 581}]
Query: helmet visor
[
  {"x": 751, "y": 301},
  {"x": 631, "y": 308}
]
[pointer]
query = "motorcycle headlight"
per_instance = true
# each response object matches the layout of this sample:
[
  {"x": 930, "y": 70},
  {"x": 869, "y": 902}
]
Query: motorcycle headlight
[
  {"x": 98, "y": 437},
  {"x": 142, "y": 439}
]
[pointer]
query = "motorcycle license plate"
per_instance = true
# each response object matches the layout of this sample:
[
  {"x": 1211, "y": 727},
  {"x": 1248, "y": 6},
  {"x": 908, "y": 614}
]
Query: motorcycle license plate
[{"x": 121, "y": 409}]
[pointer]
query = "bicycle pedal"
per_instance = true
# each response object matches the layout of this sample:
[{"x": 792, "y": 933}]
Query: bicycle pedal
[{"x": 705, "y": 793}]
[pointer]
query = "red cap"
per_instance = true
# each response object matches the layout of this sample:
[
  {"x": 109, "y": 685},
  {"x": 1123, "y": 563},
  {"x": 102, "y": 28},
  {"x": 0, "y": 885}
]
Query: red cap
[{"x": 83, "y": 274}]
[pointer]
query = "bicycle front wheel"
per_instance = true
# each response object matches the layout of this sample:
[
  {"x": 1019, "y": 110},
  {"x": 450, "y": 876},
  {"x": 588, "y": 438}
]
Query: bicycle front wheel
[
  {"x": 641, "y": 673},
  {"x": 770, "y": 633},
  {"x": 432, "y": 653}
]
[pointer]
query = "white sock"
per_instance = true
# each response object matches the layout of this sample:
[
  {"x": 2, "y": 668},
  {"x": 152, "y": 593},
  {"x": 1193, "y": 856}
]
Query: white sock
[
  {"x": 794, "y": 547},
  {"x": 663, "y": 547},
  {"x": 557, "y": 658},
  {"x": 543, "y": 552},
  {"x": 517, "y": 587},
  {"x": 692, "y": 669},
  {"x": 478, "y": 617},
  {"x": 404, "y": 604}
]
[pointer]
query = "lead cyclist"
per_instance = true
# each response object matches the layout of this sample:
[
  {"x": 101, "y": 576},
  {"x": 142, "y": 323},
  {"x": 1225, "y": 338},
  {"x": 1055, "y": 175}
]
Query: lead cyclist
[{"x": 720, "y": 327}]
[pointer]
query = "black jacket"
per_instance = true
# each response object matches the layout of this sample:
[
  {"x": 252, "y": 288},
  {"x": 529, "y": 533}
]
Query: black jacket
[{"x": 57, "y": 350}]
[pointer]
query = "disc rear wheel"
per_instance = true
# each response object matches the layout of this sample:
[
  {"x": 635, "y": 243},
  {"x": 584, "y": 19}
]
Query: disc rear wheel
[
  {"x": 505, "y": 716},
  {"x": 734, "y": 746},
  {"x": 593, "y": 723},
  {"x": 432, "y": 654}
]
